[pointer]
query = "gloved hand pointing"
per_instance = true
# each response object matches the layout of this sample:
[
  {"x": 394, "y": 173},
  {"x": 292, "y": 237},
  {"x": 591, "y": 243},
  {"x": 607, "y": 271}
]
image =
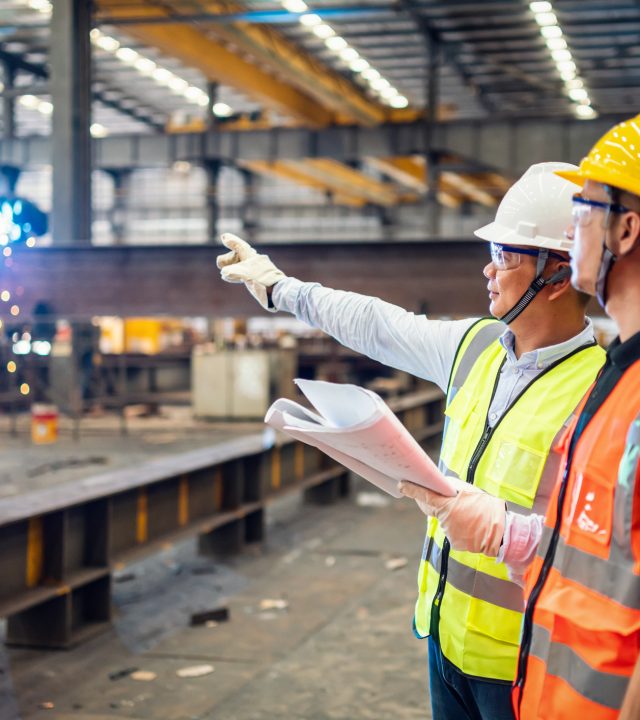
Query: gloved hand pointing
[
  {"x": 244, "y": 264},
  {"x": 473, "y": 520}
]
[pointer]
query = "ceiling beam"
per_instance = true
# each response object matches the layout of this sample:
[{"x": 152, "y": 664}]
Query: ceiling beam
[
  {"x": 279, "y": 75},
  {"x": 41, "y": 71}
]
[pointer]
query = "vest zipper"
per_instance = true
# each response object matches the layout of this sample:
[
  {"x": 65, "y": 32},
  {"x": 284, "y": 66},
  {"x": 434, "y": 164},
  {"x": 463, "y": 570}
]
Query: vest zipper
[{"x": 446, "y": 545}]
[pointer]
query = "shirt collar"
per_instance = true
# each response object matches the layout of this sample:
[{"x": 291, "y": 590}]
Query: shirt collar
[
  {"x": 543, "y": 357},
  {"x": 624, "y": 354}
]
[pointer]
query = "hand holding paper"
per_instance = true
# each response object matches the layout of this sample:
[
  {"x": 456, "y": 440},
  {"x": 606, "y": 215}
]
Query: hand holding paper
[{"x": 473, "y": 520}]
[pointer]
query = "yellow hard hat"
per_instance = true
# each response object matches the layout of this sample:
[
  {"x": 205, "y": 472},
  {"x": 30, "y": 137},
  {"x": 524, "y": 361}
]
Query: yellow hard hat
[{"x": 614, "y": 160}]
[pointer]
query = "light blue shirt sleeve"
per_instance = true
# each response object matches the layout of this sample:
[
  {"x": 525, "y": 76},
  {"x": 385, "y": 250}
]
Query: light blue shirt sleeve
[{"x": 382, "y": 331}]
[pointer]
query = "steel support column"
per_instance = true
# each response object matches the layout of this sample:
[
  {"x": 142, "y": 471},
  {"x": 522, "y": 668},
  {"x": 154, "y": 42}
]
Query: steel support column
[
  {"x": 117, "y": 213},
  {"x": 8, "y": 102},
  {"x": 431, "y": 155},
  {"x": 71, "y": 152},
  {"x": 8, "y": 180},
  {"x": 249, "y": 210},
  {"x": 212, "y": 169}
]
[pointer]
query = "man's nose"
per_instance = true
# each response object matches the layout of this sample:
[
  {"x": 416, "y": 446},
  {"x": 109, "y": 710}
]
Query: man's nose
[{"x": 489, "y": 271}]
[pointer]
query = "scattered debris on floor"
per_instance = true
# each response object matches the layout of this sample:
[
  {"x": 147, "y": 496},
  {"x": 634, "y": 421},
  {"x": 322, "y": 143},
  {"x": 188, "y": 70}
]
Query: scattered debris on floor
[
  {"x": 143, "y": 675},
  {"x": 195, "y": 671},
  {"x": 372, "y": 500},
  {"x": 396, "y": 563},
  {"x": 119, "y": 674},
  {"x": 274, "y": 604},
  {"x": 217, "y": 615},
  {"x": 46, "y": 705}
]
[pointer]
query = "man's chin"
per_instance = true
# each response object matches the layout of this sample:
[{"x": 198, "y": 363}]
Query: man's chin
[{"x": 583, "y": 285}]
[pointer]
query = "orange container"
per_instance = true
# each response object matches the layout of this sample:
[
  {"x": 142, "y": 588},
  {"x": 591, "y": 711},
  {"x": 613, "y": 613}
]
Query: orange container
[{"x": 44, "y": 424}]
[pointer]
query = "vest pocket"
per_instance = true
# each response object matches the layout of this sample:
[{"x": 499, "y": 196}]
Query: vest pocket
[
  {"x": 589, "y": 512},
  {"x": 462, "y": 418},
  {"x": 514, "y": 472}
]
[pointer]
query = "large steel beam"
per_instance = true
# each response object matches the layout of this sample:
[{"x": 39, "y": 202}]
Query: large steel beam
[
  {"x": 506, "y": 145},
  {"x": 71, "y": 88},
  {"x": 79, "y": 283}
]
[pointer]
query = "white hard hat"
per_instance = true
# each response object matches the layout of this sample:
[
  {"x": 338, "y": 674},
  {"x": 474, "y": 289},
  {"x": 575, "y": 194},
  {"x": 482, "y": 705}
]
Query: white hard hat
[{"x": 536, "y": 210}]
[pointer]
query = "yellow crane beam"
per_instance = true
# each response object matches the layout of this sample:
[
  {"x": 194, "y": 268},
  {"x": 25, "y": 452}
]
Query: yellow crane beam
[
  {"x": 219, "y": 63},
  {"x": 259, "y": 61},
  {"x": 298, "y": 68},
  {"x": 410, "y": 172},
  {"x": 280, "y": 169},
  {"x": 345, "y": 179}
]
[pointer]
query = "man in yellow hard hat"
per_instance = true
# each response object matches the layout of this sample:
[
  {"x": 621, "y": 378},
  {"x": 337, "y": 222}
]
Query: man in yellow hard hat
[
  {"x": 511, "y": 386},
  {"x": 580, "y": 646}
]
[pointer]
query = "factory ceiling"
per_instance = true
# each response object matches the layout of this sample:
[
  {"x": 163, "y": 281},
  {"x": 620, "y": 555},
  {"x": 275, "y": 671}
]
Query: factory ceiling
[{"x": 165, "y": 66}]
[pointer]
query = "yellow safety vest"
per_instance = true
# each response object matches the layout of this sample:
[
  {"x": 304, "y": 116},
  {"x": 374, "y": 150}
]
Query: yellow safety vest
[{"x": 466, "y": 600}]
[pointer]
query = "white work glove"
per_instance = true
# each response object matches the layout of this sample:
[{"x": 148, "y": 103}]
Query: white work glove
[
  {"x": 244, "y": 264},
  {"x": 473, "y": 520}
]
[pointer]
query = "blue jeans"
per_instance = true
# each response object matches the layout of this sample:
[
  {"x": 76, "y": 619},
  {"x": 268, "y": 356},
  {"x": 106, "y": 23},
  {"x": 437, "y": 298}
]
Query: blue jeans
[{"x": 455, "y": 696}]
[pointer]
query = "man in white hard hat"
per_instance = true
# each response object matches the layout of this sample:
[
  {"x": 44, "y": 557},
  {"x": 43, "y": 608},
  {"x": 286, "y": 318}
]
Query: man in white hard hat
[{"x": 511, "y": 389}]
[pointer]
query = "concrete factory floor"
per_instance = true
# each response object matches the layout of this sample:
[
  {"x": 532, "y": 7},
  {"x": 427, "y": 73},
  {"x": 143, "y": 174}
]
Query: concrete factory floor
[
  {"x": 100, "y": 446},
  {"x": 319, "y": 627}
]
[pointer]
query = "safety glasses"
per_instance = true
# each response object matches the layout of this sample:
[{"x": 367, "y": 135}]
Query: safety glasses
[
  {"x": 508, "y": 257},
  {"x": 582, "y": 210}
]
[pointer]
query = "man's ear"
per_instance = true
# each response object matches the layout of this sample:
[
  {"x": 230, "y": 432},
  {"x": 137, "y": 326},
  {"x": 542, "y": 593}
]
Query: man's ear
[
  {"x": 559, "y": 279},
  {"x": 628, "y": 233}
]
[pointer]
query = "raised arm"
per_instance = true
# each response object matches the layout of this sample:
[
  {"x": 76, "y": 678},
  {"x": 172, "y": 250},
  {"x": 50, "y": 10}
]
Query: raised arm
[{"x": 387, "y": 333}]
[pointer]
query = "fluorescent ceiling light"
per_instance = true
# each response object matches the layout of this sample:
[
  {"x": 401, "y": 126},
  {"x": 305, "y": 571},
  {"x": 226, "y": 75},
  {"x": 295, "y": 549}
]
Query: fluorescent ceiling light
[
  {"x": 127, "y": 55},
  {"x": 370, "y": 74},
  {"x": 585, "y": 112},
  {"x": 568, "y": 75},
  {"x": 540, "y": 7},
  {"x": 574, "y": 83},
  {"x": 388, "y": 92},
  {"x": 380, "y": 84},
  {"x": 45, "y": 107},
  {"x": 336, "y": 43},
  {"x": 399, "y": 101},
  {"x": 98, "y": 130},
  {"x": 578, "y": 94},
  {"x": 547, "y": 18},
  {"x": 551, "y": 31},
  {"x": 561, "y": 55},
  {"x": 222, "y": 109},
  {"x": 323, "y": 31},
  {"x": 349, "y": 54},
  {"x": 295, "y": 6},
  {"x": 358, "y": 65},
  {"x": 107, "y": 43},
  {"x": 30, "y": 101},
  {"x": 310, "y": 19},
  {"x": 144, "y": 65},
  {"x": 556, "y": 43},
  {"x": 162, "y": 75},
  {"x": 177, "y": 84},
  {"x": 566, "y": 66}
]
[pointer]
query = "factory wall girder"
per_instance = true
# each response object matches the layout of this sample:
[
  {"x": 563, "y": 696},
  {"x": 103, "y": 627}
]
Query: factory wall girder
[
  {"x": 443, "y": 278},
  {"x": 508, "y": 146}
]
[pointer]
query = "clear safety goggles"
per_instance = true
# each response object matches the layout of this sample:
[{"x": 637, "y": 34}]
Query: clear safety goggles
[
  {"x": 582, "y": 210},
  {"x": 509, "y": 257}
]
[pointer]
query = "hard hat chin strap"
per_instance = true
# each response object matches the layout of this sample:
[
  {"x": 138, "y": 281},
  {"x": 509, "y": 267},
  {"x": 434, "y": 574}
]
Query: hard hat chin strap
[
  {"x": 607, "y": 259},
  {"x": 536, "y": 286}
]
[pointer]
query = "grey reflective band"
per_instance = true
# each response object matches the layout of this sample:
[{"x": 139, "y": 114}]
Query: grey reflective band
[
  {"x": 604, "y": 688},
  {"x": 475, "y": 583},
  {"x": 612, "y": 577},
  {"x": 482, "y": 340}
]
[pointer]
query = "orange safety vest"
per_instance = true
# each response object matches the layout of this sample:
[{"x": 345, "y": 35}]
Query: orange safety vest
[{"x": 584, "y": 638}]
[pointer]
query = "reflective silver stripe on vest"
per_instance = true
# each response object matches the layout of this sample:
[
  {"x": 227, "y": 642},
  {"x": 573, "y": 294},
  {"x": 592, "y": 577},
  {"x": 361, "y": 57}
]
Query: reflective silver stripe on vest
[
  {"x": 442, "y": 466},
  {"x": 625, "y": 490},
  {"x": 483, "y": 338},
  {"x": 606, "y": 689},
  {"x": 496, "y": 591},
  {"x": 613, "y": 577}
]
